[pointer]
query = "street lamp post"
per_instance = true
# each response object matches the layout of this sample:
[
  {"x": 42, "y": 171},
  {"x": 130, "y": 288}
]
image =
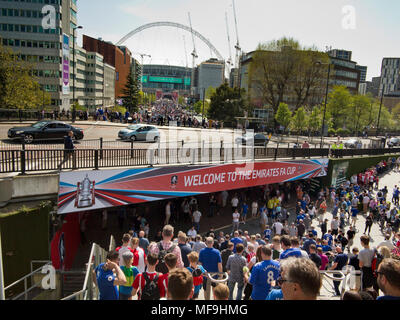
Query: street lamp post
[
  {"x": 380, "y": 109},
  {"x": 326, "y": 100},
  {"x": 73, "y": 84}
]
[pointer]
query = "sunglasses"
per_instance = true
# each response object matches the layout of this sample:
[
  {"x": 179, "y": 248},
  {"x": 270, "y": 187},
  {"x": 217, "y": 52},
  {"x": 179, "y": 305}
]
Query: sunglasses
[
  {"x": 376, "y": 273},
  {"x": 280, "y": 281}
]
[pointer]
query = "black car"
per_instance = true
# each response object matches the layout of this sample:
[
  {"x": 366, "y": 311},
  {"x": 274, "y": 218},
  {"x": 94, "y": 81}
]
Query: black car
[
  {"x": 258, "y": 139},
  {"x": 44, "y": 130}
]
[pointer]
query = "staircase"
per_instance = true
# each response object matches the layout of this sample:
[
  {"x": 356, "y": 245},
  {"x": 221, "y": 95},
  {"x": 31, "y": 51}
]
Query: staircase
[{"x": 72, "y": 281}]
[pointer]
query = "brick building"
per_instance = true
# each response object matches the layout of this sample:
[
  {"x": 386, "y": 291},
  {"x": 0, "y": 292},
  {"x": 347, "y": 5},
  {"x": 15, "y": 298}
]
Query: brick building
[{"x": 118, "y": 57}]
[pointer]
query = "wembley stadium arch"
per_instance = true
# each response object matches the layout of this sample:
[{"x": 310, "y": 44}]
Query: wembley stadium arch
[{"x": 173, "y": 25}]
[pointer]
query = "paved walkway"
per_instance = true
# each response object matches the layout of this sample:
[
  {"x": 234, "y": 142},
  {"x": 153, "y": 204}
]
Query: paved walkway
[{"x": 390, "y": 180}]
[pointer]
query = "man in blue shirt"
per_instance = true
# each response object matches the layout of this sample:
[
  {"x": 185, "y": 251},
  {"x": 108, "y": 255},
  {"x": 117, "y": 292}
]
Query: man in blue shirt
[
  {"x": 236, "y": 240},
  {"x": 263, "y": 275},
  {"x": 309, "y": 242},
  {"x": 328, "y": 236},
  {"x": 287, "y": 250},
  {"x": 339, "y": 263},
  {"x": 105, "y": 279},
  {"x": 388, "y": 279},
  {"x": 211, "y": 260},
  {"x": 245, "y": 209}
]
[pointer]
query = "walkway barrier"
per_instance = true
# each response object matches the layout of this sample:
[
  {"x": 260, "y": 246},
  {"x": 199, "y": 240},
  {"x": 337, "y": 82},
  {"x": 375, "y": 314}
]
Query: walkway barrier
[
  {"x": 26, "y": 160},
  {"x": 349, "y": 277},
  {"x": 28, "y": 280},
  {"x": 212, "y": 279}
]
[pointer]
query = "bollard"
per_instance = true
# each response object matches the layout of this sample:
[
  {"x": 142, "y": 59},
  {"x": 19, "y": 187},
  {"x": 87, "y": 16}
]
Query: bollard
[
  {"x": 96, "y": 159},
  {"x": 101, "y": 148}
]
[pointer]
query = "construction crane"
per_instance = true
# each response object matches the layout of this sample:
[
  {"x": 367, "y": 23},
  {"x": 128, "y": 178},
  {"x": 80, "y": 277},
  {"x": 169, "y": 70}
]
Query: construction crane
[
  {"x": 184, "y": 44},
  {"x": 238, "y": 48},
  {"x": 229, "y": 62},
  {"x": 194, "y": 53},
  {"x": 142, "y": 55}
]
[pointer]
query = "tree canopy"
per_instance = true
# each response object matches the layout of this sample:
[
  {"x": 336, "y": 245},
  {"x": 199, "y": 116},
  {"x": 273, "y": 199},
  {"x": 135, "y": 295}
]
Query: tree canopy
[
  {"x": 283, "y": 69},
  {"x": 226, "y": 103},
  {"x": 19, "y": 89}
]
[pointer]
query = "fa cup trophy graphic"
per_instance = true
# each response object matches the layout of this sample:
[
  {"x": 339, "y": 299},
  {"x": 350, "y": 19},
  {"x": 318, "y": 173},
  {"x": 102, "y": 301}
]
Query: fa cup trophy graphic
[{"x": 85, "y": 193}]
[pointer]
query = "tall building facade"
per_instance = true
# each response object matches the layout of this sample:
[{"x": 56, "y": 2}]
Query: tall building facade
[
  {"x": 341, "y": 54},
  {"x": 363, "y": 73},
  {"x": 373, "y": 86},
  {"x": 27, "y": 31},
  {"x": 345, "y": 71},
  {"x": 118, "y": 57},
  {"x": 390, "y": 76},
  {"x": 211, "y": 73},
  {"x": 26, "y": 28}
]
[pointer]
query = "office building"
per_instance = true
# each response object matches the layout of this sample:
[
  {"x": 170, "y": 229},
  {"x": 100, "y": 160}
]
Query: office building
[
  {"x": 345, "y": 71},
  {"x": 363, "y": 73},
  {"x": 211, "y": 73},
  {"x": 340, "y": 54},
  {"x": 373, "y": 86},
  {"x": 390, "y": 76},
  {"x": 118, "y": 57},
  {"x": 22, "y": 29}
]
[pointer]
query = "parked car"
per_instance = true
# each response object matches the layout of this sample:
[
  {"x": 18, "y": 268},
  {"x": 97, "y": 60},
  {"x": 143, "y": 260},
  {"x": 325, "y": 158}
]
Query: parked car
[
  {"x": 353, "y": 144},
  {"x": 259, "y": 139},
  {"x": 393, "y": 142},
  {"x": 45, "y": 130},
  {"x": 140, "y": 132}
]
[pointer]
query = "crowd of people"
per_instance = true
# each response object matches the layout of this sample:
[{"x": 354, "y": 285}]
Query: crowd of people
[{"x": 283, "y": 261}]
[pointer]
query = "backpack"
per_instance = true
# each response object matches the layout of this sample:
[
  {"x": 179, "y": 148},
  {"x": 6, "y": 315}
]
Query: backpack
[
  {"x": 161, "y": 266},
  {"x": 150, "y": 290},
  {"x": 197, "y": 275}
]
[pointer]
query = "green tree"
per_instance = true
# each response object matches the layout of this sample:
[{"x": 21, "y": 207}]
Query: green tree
[
  {"x": 339, "y": 106},
  {"x": 283, "y": 68},
  {"x": 131, "y": 92},
  {"x": 358, "y": 109},
  {"x": 314, "y": 121},
  {"x": 226, "y": 103},
  {"x": 19, "y": 89},
  {"x": 299, "y": 121},
  {"x": 283, "y": 115}
]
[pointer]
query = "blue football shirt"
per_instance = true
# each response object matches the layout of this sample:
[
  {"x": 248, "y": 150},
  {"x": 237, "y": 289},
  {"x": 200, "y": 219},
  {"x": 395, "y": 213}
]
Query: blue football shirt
[{"x": 262, "y": 275}]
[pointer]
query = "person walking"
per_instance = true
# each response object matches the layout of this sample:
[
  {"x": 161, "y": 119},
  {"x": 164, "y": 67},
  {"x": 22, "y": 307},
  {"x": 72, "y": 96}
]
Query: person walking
[
  {"x": 366, "y": 256},
  {"x": 339, "y": 263},
  {"x": 234, "y": 266},
  {"x": 368, "y": 223},
  {"x": 235, "y": 220},
  {"x": 210, "y": 259},
  {"x": 263, "y": 275},
  {"x": 69, "y": 151}
]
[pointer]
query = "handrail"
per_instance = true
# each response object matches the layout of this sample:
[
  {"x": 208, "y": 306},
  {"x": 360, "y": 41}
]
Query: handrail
[
  {"x": 223, "y": 280},
  {"x": 88, "y": 270},
  {"x": 24, "y": 277}
]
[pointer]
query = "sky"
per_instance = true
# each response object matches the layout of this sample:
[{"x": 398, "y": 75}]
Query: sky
[{"x": 368, "y": 28}]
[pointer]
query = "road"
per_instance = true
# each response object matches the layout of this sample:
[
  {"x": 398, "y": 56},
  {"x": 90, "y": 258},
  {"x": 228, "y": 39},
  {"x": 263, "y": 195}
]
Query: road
[{"x": 192, "y": 137}]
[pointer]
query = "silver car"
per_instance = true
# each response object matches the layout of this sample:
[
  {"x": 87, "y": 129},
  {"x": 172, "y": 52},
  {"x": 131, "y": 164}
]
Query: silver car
[
  {"x": 140, "y": 132},
  {"x": 353, "y": 144}
]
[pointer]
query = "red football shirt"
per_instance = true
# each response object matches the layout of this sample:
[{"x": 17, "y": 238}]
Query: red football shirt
[{"x": 140, "y": 282}]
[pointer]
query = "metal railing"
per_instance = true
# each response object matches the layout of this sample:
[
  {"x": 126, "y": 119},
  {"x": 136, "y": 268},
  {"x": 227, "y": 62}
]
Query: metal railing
[
  {"x": 25, "y": 279},
  {"x": 90, "y": 290},
  {"x": 49, "y": 160},
  {"x": 349, "y": 278},
  {"x": 23, "y": 161}
]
